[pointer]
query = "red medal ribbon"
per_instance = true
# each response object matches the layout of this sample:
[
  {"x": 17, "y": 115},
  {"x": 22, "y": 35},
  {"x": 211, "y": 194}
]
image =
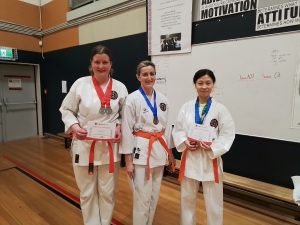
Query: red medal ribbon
[
  {"x": 183, "y": 162},
  {"x": 103, "y": 97},
  {"x": 154, "y": 136}
]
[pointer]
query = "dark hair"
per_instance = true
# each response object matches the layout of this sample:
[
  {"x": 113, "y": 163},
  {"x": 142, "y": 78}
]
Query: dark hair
[
  {"x": 144, "y": 64},
  {"x": 100, "y": 49},
  {"x": 203, "y": 72}
]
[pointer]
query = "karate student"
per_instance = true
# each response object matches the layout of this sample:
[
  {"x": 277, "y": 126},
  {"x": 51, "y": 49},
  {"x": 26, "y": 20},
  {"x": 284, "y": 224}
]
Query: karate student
[
  {"x": 203, "y": 132},
  {"x": 146, "y": 141},
  {"x": 97, "y": 98}
]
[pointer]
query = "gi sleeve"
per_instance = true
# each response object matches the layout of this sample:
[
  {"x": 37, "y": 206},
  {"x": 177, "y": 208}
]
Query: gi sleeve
[
  {"x": 122, "y": 102},
  {"x": 179, "y": 131},
  {"x": 226, "y": 134},
  {"x": 168, "y": 130},
  {"x": 296, "y": 191},
  {"x": 69, "y": 107},
  {"x": 128, "y": 121}
]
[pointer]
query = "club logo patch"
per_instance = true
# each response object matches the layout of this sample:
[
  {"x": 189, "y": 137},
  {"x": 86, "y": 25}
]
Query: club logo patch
[
  {"x": 214, "y": 123},
  {"x": 114, "y": 95},
  {"x": 163, "y": 107}
]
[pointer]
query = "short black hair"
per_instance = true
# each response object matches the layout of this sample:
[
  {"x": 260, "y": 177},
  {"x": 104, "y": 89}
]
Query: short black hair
[{"x": 203, "y": 72}]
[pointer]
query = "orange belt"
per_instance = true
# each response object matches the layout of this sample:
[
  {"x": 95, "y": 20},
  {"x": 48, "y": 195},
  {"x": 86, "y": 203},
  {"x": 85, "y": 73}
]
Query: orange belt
[
  {"x": 182, "y": 167},
  {"x": 154, "y": 136},
  {"x": 92, "y": 153}
]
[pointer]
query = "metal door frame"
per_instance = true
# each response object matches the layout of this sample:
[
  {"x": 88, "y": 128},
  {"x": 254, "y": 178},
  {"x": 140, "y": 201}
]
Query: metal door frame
[{"x": 37, "y": 82}]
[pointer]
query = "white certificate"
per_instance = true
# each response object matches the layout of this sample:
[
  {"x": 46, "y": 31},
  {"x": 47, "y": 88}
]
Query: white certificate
[
  {"x": 200, "y": 133},
  {"x": 97, "y": 130}
]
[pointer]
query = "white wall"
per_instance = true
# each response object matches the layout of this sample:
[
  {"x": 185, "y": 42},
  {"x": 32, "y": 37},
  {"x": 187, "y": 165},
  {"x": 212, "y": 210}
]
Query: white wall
[{"x": 131, "y": 22}]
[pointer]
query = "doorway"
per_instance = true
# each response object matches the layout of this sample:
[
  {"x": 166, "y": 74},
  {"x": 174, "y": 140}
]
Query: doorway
[{"x": 18, "y": 102}]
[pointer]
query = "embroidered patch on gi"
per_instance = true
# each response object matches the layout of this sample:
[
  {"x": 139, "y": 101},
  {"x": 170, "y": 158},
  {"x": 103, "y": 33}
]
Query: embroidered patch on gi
[
  {"x": 76, "y": 158},
  {"x": 145, "y": 110},
  {"x": 137, "y": 153},
  {"x": 163, "y": 106},
  {"x": 114, "y": 95},
  {"x": 214, "y": 123}
]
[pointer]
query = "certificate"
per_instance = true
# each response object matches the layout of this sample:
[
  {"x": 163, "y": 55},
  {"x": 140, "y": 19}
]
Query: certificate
[
  {"x": 200, "y": 133},
  {"x": 98, "y": 130}
]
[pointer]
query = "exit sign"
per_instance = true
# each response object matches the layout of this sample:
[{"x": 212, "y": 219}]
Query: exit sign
[{"x": 8, "y": 53}]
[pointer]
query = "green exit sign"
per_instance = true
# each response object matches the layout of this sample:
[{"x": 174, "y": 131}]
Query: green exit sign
[{"x": 8, "y": 53}]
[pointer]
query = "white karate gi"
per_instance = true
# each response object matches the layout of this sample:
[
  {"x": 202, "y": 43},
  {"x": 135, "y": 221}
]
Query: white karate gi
[
  {"x": 81, "y": 105},
  {"x": 137, "y": 116},
  {"x": 296, "y": 191},
  {"x": 199, "y": 166}
]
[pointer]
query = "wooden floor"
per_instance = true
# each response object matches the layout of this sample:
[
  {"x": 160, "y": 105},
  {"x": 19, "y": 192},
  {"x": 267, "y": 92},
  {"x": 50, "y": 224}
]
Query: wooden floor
[{"x": 37, "y": 187}]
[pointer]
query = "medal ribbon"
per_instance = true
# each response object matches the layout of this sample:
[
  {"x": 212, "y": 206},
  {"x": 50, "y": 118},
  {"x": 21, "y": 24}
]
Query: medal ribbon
[
  {"x": 103, "y": 97},
  {"x": 199, "y": 120},
  {"x": 153, "y": 108}
]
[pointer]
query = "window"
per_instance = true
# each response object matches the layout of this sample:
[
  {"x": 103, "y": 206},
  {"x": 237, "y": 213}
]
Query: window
[{"x": 73, "y": 4}]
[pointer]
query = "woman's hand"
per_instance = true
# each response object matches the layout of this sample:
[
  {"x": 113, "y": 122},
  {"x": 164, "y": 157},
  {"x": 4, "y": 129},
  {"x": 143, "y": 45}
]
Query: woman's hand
[
  {"x": 204, "y": 146},
  {"x": 191, "y": 145},
  {"x": 117, "y": 138},
  {"x": 172, "y": 163},
  {"x": 78, "y": 132},
  {"x": 129, "y": 165},
  {"x": 130, "y": 170}
]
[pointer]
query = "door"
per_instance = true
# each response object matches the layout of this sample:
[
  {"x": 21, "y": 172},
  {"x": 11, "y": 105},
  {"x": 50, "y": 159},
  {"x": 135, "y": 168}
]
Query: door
[{"x": 18, "y": 100}]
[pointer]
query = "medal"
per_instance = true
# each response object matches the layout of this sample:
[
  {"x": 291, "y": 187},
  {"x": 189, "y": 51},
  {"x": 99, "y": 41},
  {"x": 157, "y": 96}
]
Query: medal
[
  {"x": 155, "y": 120},
  {"x": 102, "y": 110},
  {"x": 103, "y": 97},
  {"x": 152, "y": 108},
  {"x": 108, "y": 110}
]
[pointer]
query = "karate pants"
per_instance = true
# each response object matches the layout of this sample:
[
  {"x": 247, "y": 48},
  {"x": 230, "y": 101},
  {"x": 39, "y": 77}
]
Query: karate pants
[
  {"x": 145, "y": 194},
  {"x": 213, "y": 198},
  {"x": 97, "y": 193}
]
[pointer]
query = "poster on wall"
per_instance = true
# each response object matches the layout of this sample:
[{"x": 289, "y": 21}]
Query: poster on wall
[
  {"x": 14, "y": 84},
  {"x": 169, "y": 26},
  {"x": 277, "y": 13},
  {"x": 212, "y": 9}
]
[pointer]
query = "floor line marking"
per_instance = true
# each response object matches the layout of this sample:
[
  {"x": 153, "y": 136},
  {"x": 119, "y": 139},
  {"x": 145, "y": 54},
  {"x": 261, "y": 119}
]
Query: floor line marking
[{"x": 74, "y": 200}]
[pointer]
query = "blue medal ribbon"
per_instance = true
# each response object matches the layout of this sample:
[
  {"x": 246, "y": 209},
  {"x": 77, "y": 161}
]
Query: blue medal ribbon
[
  {"x": 153, "y": 108},
  {"x": 199, "y": 119}
]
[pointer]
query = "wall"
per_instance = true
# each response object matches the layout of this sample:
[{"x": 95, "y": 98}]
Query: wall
[
  {"x": 63, "y": 38},
  {"x": 19, "y": 13}
]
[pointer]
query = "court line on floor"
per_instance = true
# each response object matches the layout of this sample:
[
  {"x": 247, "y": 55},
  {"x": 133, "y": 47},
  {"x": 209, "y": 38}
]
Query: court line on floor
[
  {"x": 74, "y": 200},
  {"x": 6, "y": 169}
]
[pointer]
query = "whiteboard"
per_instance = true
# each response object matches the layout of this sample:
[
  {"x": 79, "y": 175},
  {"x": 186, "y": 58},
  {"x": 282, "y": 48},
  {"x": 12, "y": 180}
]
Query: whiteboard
[{"x": 255, "y": 80}]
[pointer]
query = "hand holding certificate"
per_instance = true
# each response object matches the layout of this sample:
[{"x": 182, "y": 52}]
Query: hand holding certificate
[
  {"x": 200, "y": 133},
  {"x": 100, "y": 131},
  {"x": 200, "y": 136}
]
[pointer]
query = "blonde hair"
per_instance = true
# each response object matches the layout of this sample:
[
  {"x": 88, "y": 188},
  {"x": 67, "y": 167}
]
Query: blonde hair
[{"x": 144, "y": 64}]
